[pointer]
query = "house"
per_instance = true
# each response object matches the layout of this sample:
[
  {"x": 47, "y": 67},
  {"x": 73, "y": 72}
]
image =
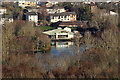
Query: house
[
  {"x": 32, "y": 16},
  {"x": 87, "y": 2},
  {"x": 3, "y": 10},
  {"x": 53, "y": 10},
  {"x": 6, "y": 18},
  {"x": 108, "y": 13},
  {"x": 51, "y": 3},
  {"x": 113, "y": 13},
  {"x": 59, "y": 33},
  {"x": 77, "y": 3},
  {"x": 24, "y": 3},
  {"x": 32, "y": 9},
  {"x": 65, "y": 16}
]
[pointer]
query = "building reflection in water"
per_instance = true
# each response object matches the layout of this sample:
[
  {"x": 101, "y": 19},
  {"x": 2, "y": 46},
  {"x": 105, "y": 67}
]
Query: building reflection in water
[{"x": 62, "y": 44}]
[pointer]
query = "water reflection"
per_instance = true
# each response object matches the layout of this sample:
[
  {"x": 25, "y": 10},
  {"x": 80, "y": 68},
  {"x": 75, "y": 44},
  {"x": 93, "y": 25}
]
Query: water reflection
[
  {"x": 61, "y": 53},
  {"x": 62, "y": 44},
  {"x": 67, "y": 47},
  {"x": 63, "y": 48}
]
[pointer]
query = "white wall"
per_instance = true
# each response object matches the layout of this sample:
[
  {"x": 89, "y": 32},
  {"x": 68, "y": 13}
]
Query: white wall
[
  {"x": 113, "y": 13},
  {"x": 62, "y": 18},
  {"x": 21, "y": 4},
  {"x": 71, "y": 36},
  {"x": 52, "y": 11},
  {"x": 24, "y": 3},
  {"x": 33, "y": 10},
  {"x": 10, "y": 19},
  {"x": 3, "y": 11},
  {"x": 6, "y": 19},
  {"x": 33, "y": 18},
  {"x": 50, "y": 3},
  {"x": 67, "y": 29}
]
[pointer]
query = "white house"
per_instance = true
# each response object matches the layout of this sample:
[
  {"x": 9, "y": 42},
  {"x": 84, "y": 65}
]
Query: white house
[
  {"x": 51, "y": 3},
  {"x": 21, "y": 3},
  {"x": 3, "y": 11},
  {"x": 32, "y": 9},
  {"x": 32, "y": 16},
  {"x": 53, "y": 10},
  {"x": 25, "y": 3},
  {"x": 5, "y": 18},
  {"x": 65, "y": 16},
  {"x": 110, "y": 13},
  {"x": 113, "y": 13},
  {"x": 60, "y": 33},
  {"x": 108, "y": 1}
]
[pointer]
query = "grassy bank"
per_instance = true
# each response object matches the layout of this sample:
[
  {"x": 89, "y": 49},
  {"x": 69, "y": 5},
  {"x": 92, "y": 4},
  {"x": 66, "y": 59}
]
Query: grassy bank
[{"x": 45, "y": 28}]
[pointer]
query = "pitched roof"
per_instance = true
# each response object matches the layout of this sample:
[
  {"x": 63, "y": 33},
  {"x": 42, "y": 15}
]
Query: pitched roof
[
  {"x": 32, "y": 7},
  {"x": 53, "y": 32},
  {"x": 63, "y": 14},
  {"x": 92, "y": 4},
  {"x": 55, "y": 7},
  {"x": 32, "y": 13},
  {"x": 7, "y": 16}
]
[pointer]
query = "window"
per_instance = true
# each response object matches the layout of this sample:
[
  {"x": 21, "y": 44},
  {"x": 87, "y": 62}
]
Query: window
[
  {"x": 58, "y": 11},
  {"x": 65, "y": 16},
  {"x": 59, "y": 17},
  {"x": 64, "y": 32},
  {"x": 52, "y": 17}
]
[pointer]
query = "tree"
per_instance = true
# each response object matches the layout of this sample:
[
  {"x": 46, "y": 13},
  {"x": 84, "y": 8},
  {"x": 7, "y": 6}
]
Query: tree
[
  {"x": 13, "y": 10},
  {"x": 22, "y": 37},
  {"x": 107, "y": 34},
  {"x": 42, "y": 14},
  {"x": 67, "y": 6},
  {"x": 77, "y": 42},
  {"x": 83, "y": 12}
]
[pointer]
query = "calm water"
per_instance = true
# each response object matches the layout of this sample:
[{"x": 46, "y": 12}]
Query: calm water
[
  {"x": 63, "y": 48},
  {"x": 59, "y": 48},
  {"x": 60, "y": 52}
]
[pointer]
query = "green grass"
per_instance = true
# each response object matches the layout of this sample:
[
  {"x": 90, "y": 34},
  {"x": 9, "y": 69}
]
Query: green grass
[{"x": 44, "y": 28}]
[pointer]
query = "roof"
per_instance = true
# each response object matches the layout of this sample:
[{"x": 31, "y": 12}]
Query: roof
[
  {"x": 53, "y": 32},
  {"x": 55, "y": 7},
  {"x": 33, "y": 7},
  {"x": 32, "y": 13},
  {"x": 92, "y": 4},
  {"x": 2, "y": 8},
  {"x": 63, "y": 14},
  {"x": 7, "y": 16}
]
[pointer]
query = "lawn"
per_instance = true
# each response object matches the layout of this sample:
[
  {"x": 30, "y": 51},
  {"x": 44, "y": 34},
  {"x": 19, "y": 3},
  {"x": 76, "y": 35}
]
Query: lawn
[{"x": 45, "y": 28}]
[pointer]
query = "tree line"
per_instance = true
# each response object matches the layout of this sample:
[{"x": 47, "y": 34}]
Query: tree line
[{"x": 21, "y": 36}]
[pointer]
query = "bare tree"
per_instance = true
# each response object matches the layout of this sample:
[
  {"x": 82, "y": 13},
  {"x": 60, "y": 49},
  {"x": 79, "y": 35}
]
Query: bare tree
[
  {"x": 22, "y": 37},
  {"x": 42, "y": 14}
]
